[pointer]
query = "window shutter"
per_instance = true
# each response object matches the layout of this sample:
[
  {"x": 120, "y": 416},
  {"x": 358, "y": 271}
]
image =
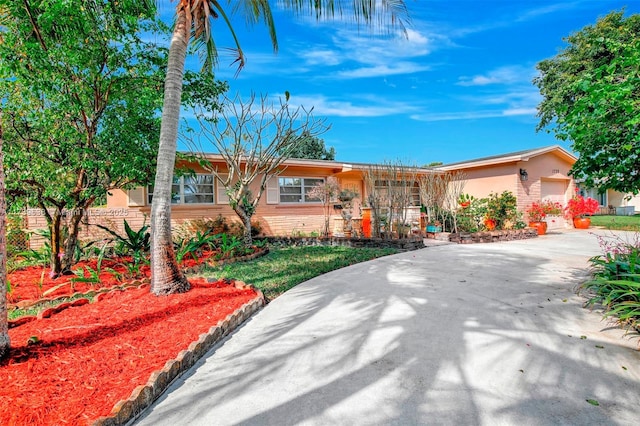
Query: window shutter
[
  {"x": 136, "y": 197},
  {"x": 222, "y": 196},
  {"x": 273, "y": 190}
]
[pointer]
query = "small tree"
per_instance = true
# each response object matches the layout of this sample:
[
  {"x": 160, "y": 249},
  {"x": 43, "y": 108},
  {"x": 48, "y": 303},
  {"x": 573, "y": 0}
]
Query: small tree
[
  {"x": 454, "y": 184},
  {"x": 325, "y": 192},
  {"x": 390, "y": 190},
  {"x": 375, "y": 199},
  {"x": 254, "y": 138},
  {"x": 81, "y": 93},
  {"x": 433, "y": 192}
]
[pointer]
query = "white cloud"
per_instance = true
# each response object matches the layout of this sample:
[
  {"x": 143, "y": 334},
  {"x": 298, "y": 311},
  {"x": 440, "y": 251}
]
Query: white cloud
[
  {"x": 510, "y": 20},
  {"x": 474, "y": 115},
  {"x": 545, "y": 10},
  {"x": 520, "y": 111},
  {"x": 460, "y": 115},
  {"x": 364, "y": 106},
  {"x": 503, "y": 75},
  {"x": 382, "y": 70},
  {"x": 324, "y": 57}
]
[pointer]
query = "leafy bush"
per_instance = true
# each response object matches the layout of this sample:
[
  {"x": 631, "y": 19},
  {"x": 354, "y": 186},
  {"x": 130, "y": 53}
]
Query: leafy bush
[
  {"x": 616, "y": 279},
  {"x": 471, "y": 212},
  {"x": 215, "y": 226},
  {"x": 133, "y": 242},
  {"x": 193, "y": 246},
  {"x": 236, "y": 229},
  {"x": 502, "y": 210}
]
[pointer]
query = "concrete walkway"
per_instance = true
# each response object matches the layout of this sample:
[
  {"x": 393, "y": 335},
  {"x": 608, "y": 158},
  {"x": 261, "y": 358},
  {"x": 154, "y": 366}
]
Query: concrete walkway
[{"x": 486, "y": 334}]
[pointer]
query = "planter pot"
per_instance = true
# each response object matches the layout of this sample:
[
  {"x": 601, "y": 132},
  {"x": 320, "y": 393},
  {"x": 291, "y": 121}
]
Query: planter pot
[
  {"x": 366, "y": 222},
  {"x": 541, "y": 227},
  {"x": 581, "y": 222}
]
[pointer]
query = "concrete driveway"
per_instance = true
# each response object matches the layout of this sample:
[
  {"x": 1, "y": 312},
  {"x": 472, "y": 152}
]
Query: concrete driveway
[{"x": 486, "y": 334}]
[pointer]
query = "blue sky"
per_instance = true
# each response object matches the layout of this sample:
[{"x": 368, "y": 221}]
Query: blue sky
[{"x": 459, "y": 87}]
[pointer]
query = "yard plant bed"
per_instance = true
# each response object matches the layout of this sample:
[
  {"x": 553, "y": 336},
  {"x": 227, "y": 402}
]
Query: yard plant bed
[
  {"x": 493, "y": 236},
  {"x": 34, "y": 283},
  {"x": 75, "y": 366}
]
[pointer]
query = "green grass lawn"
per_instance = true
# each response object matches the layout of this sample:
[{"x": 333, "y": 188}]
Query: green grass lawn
[
  {"x": 284, "y": 268},
  {"x": 623, "y": 223}
]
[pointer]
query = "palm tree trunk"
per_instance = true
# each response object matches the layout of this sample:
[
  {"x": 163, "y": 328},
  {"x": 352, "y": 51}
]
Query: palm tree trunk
[
  {"x": 5, "y": 343},
  {"x": 166, "y": 276}
]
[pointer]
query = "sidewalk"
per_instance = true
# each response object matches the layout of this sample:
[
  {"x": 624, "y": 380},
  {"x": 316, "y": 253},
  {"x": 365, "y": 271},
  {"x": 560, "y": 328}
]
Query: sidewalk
[{"x": 478, "y": 334}]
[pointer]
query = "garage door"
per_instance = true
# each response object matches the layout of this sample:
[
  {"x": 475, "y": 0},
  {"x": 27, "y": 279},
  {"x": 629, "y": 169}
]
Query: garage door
[{"x": 554, "y": 190}]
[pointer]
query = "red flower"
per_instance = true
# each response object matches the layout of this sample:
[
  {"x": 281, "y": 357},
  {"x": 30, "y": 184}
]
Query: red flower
[
  {"x": 579, "y": 206},
  {"x": 536, "y": 212},
  {"x": 490, "y": 224}
]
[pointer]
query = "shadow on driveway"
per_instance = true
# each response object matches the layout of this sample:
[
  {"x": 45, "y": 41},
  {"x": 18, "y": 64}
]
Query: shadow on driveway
[{"x": 453, "y": 334}]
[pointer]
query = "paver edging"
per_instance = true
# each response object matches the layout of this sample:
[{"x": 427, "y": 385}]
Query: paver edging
[
  {"x": 493, "y": 236},
  {"x": 125, "y": 411}
]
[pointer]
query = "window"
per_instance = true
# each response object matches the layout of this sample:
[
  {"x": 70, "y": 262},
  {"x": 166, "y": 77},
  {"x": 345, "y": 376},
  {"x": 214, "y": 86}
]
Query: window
[
  {"x": 296, "y": 190},
  {"x": 196, "y": 189},
  {"x": 595, "y": 194},
  {"x": 382, "y": 188}
]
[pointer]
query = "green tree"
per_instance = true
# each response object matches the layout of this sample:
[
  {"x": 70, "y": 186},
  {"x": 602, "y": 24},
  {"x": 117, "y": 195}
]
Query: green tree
[
  {"x": 194, "y": 17},
  {"x": 313, "y": 148},
  {"x": 591, "y": 97},
  {"x": 81, "y": 95}
]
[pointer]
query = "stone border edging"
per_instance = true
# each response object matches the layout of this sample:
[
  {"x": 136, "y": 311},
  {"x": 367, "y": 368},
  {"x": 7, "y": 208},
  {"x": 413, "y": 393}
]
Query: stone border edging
[
  {"x": 213, "y": 263},
  {"x": 493, "y": 236},
  {"x": 82, "y": 299},
  {"x": 401, "y": 244},
  {"x": 143, "y": 396}
]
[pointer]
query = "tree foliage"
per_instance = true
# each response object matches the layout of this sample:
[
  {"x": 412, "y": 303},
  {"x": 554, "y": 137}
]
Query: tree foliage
[
  {"x": 591, "y": 97},
  {"x": 254, "y": 137},
  {"x": 313, "y": 148},
  {"x": 80, "y": 90}
]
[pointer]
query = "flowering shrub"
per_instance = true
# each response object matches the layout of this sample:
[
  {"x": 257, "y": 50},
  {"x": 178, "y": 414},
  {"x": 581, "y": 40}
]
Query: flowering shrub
[
  {"x": 536, "y": 212},
  {"x": 550, "y": 207},
  {"x": 579, "y": 206}
]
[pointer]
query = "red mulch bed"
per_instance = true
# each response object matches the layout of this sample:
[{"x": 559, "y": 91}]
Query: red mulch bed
[
  {"x": 30, "y": 283},
  {"x": 87, "y": 358}
]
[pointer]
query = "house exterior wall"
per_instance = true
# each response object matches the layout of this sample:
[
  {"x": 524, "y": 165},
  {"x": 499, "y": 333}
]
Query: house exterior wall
[
  {"x": 547, "y": 177},
  {"x": 618, "y": 199},
  {"x": 274, "y": 218},
  {"x": 550, "y": 170},
  {"x": 482, "y": 181}
]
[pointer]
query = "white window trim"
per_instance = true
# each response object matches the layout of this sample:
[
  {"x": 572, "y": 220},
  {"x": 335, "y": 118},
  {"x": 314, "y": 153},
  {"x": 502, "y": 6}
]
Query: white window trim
[
  {"x": 180, "y": 182},
  {"x": 301, "y": 202}
]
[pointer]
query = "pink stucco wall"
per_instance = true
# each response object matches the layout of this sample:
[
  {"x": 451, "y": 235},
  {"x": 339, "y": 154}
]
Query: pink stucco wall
[{"x": 545, "y": 173}]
